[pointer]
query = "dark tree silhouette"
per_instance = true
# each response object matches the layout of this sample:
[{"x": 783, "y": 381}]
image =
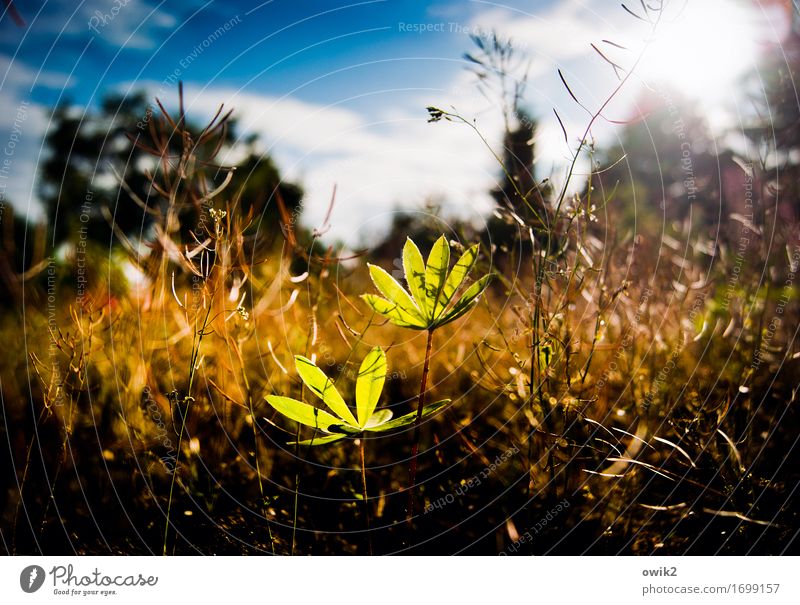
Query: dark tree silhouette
[{"x": 90, "y": 152}]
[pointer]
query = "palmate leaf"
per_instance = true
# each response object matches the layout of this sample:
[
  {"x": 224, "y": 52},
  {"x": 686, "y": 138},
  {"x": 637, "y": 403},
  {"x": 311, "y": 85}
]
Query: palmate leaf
[
  {"x": 433, "y": 300},
  {"x": 333, "y": 429},
  {"x": 408, "y": 418},
  {"x": 319, "y": 440},
  {"x": 414, "y": 269},
  {"x": 395, "y": 293},
  {"x": 457, "y": 276},
  {"x": 322, "y": 386},
  {"x": 369, "y": 384},
  {"x": 378, "y": 418},
  {"x": 303, "y": 413},
  {"x": 436, "y": 274},
  {"x": 467, "y": 300},
  {"x": 391, "y": 311}
]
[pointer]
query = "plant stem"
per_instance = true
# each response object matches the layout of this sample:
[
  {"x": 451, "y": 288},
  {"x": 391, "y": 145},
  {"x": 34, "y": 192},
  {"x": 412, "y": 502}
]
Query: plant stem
[
  {"x": 264, "y": 507},
  {"x": 192, "y": 368},
  {"x": 364, "y": 486},
  {"x": 296, "y": 486},
  {"x": 415, "y": 448},
  {"x": 174, "y": 473}
]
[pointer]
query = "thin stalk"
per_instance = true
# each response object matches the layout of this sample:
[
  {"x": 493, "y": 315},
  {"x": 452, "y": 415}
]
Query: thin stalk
[
  {"x": 249, "y": 394},
  {"x": 423, "y": 387},
  {"x": 184, "y": 414},
  {"x": 534, "y": 366},
  {"x": 364, "y": 487},
  {"x": 296, "y": 474},
  {"x": 536, "y": 361},
  {"x": 502, "y": 165},
  {"x": 264, "y": 510},
  {"x": 586, "y": 366},
  {"x": 174, "y": 474}
]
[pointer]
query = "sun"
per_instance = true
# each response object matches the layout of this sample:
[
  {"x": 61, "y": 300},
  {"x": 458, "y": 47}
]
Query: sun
[{"x": 703, "y": 47}]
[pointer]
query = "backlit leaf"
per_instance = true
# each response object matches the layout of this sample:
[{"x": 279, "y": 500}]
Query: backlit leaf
[
  {"x": 322, "y": 440},
  {"x": 378, "y": 418},
  {"x": 467, "y": 301},
  {"x": 409, "y": 418},
  {"x": 414, "y": 268},
  {"x": 369, "y": 384},
  {"x": 394, "y": 292},
  {"x": 322, "y": 386},
  {"x": 302, "y": 412},
  {"x": 436, "y": 274},
  {"x": 391, "y": 311},
  {"x": 457, "y": 276}
]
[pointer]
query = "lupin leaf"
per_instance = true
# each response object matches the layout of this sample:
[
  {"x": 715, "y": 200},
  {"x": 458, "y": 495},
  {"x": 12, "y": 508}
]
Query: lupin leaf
[
  {"x": 433, "y": 300},
  {"x": 303, "y": 413},
  {"x": 378, "y": 418},
  {"x": 436, "y": 274},
  {"x": 391, "y": 311},
  {"x": 322, "y": 386},
  {"x": 319, "y": 440},
  {"x": 394, "y": 292},
  {"x": 369, "y": 384},
  {"x": 467, "y": 300},
  {"x": 409, "y": 418},
  {"x": 457, "y": 276},
  {"x": 414, "y": 269}
]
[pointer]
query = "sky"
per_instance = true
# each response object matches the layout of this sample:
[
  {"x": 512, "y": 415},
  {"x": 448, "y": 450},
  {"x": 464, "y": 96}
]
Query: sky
[{"x": 336, "y": 91}]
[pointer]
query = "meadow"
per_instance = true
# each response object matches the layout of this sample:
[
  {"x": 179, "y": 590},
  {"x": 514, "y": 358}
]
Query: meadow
[{"x": 559, "y": 379}]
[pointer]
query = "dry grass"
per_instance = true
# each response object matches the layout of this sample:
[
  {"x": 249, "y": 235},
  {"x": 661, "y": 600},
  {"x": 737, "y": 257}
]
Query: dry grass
[{"x": 633, "y": 384}]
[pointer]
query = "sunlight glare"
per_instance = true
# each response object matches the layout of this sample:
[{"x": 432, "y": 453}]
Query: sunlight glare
[{"x": 703, "y": 47}]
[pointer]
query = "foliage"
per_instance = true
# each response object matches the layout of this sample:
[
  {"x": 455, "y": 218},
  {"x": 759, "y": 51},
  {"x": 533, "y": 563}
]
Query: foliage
[
  {"x": 434, "y": 297},
  {"x": 369, "y": 386},
  {"x": 93, "y": 151},
  {"x": 649, "y": 383}
]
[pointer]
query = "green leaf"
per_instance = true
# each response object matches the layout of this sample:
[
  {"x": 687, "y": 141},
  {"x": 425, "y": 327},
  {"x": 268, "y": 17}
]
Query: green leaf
[
  {"x": 414, "y": 269},
  {"x": 457, "y": 276},
  {"x": 468, "y": 300},
  {"x": 302, "y": 412},
  {"x": 390, "y": 310},
  {"x": 436, "y": 273},
  {"x": 378, "y": 418},
  {"x": 322, "y": 386},
  {"x": 394, "y": 292},
  {"x": 369, "y": 384},
  {"x": 318, "y": 440},
  {"x": 409, "y": 418},
  {"x": 344, "y": 429}
]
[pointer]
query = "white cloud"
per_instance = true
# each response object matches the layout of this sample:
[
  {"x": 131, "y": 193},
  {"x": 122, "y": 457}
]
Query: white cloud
[
  {"x": 139, "y": 29},
  {"x": 558, "y": 34},
  {"x": 20, "y": 145},
  {"x": 22, "y": 131},
  {"x": 135, "y": 25},
  {"x": 381, "y": 162},
  {"x": 18, "y": 77},
  {"x": 390, "y": 157}
]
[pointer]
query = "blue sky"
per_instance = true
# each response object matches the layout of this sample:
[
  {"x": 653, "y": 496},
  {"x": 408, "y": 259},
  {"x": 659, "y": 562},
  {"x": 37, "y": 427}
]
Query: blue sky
[
  {"x": 335, "y": 90},
  {"x": 295, "y": 42}
]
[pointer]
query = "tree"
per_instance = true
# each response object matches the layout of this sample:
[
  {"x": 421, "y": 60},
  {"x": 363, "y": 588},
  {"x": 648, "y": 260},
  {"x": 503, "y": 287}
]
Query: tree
[
  {"x": 501, "y": 76},
  {"x": 663, "y": 166},
  {"x": 90, "y": 152},
  {"x": 775, "y": 128}
]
